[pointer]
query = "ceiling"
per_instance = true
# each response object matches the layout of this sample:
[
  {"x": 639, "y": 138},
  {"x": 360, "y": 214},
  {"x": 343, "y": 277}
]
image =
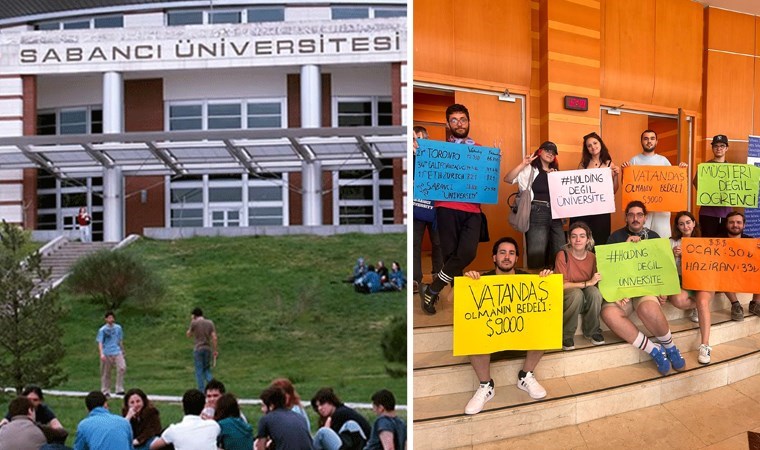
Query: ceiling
[{"x": 744, "y": 6}]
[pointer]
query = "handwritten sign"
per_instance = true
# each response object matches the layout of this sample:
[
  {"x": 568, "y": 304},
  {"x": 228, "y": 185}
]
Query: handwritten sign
[
  {"x": 507, "y": 312},
  {"x": 456, "y": 172},
  {"x": 728, "y": 185},
  {"x": 720, "y": 264},
  {"x": 661, "y": 188},
  {"x": 634, "y": 269},
  {"x": 576, "y": 193}
]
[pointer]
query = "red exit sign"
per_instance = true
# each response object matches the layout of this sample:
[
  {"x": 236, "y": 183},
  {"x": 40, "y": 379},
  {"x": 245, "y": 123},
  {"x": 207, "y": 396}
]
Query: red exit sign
[{"x": 576, "y": 103}]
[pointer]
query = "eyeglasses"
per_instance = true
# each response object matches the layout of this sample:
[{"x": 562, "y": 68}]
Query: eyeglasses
[
  {"x": 462, "y": 121},
  {"x": 720, "y": 146},
  {"x": 635, "y": 215}
]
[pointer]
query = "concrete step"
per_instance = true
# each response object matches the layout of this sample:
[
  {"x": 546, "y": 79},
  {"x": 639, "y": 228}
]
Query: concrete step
[{"x": 439, "y": 420}]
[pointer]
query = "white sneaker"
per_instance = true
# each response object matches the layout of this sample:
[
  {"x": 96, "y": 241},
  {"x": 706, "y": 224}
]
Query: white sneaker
[
  {"x": 484, "y": 393},
  {"x": 694, "y": 316},
  {"x": 530, "y": 385},
  {"x": 704, "y": 354}
]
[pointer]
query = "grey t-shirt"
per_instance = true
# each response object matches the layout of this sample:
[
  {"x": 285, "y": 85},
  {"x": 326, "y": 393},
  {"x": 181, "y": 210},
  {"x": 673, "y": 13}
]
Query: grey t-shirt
[{"x": 201, "y": 330}]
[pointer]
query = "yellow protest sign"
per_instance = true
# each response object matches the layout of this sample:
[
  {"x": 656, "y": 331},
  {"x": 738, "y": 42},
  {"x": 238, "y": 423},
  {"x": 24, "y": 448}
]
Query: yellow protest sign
[
  {"x": 507, "y": 312},
  {"x": 661, "y": 188},
  {"x": 721, "y": 264}
]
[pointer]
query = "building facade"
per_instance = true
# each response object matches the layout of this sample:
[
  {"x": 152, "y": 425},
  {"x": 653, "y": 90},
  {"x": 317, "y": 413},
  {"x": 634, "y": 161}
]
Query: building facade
[{"x": 175, "y": 114}]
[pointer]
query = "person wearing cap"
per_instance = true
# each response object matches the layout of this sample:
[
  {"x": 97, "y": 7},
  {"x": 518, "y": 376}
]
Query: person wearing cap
[
  {"x": 712, "y": 219},
  {"x": 658, "y": 222},
  {"x": 545, "y": 237},
  {"x": 458, "y": 222}
]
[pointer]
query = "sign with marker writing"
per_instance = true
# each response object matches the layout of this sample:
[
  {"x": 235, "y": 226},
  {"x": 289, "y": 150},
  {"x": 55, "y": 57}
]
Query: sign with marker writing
[
  {"x": 752, "y": 215},
  {"x": 720, "y": 264},
  {"x": 456, "y": 172},
  {"x": 585, "y": 192},
  {"x": 507, "y": 312},
  {"x": 728, "y": 185},
  {"x": 633, "y": 269},
  {"x": 661, "y": 188}
]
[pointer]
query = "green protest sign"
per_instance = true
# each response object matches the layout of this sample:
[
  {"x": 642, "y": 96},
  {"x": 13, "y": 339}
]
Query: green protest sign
[
  {"x": 721, "y": 184},
  {"x": 633, "y": 269}
]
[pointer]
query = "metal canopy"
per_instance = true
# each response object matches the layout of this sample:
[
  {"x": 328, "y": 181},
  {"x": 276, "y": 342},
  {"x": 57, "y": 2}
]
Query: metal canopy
[{"x": 205, "y": 152}]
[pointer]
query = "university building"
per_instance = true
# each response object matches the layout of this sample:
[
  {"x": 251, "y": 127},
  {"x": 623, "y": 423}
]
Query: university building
[{"x": 197, "y": 114}]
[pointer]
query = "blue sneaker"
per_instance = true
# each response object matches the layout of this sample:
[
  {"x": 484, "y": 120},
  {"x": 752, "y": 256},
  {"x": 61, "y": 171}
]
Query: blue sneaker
[
  {"x": 663, "y": 365},
  {"x": 676, "y": 360}
]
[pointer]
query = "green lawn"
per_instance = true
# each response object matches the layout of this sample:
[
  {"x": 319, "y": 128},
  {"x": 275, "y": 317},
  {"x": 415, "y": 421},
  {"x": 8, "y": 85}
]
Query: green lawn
[{"x": 280, "y": 308}]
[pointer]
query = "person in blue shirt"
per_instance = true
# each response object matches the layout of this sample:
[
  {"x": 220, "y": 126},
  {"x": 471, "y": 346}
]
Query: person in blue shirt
[
  {"x": 111, "y": 347},
  {"x": 101, "y": 430},
  {"x": 388, "y": 431},
  {"x": 397, "y": 279}
]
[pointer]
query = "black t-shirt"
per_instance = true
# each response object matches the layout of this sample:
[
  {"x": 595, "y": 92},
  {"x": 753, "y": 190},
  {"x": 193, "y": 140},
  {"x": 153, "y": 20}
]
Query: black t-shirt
[
  {"x": 541, "y": 186},
  {"x": 343, "y": 414},
  {"x": 517, "y": 272}
]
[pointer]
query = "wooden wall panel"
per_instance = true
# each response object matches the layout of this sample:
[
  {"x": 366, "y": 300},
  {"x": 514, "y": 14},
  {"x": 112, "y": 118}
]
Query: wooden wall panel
[
  {"x": 434, "y": 36},
  {"x": 667, "y": 137},
  {"x": 756, "y": 102},
  {"x": 731, "y": 32},
  {"x": 729, "y": 95}
]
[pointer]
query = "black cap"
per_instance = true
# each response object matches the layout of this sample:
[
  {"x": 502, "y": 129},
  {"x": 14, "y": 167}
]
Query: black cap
[
  {"x": 549, "y": 146},
  {"x": 719, "y": 139}
]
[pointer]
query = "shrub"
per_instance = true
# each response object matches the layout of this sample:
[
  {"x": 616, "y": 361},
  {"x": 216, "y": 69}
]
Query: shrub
[
  {"x": 393, "y": 344},
  {"x": 114, "y": 277}
]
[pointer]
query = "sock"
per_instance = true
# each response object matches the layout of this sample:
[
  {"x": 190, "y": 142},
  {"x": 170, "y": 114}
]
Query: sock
[
  {"x": 522, "y": 374},
  {"x": 643, "y": 343},
  {"x": 489, "y": 383},
  {"x": 667, "y": 340}
]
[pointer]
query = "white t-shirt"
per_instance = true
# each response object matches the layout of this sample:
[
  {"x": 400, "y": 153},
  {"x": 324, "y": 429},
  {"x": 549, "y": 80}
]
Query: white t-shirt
[
  {"x": 193, "y": 433},
  {"x": 644, "y": 160},
  {"x": 659, "y": 222}
]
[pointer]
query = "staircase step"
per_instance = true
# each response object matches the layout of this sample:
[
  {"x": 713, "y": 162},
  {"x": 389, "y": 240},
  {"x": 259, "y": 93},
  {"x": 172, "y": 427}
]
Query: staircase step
[{"x": 439, "y": 421}]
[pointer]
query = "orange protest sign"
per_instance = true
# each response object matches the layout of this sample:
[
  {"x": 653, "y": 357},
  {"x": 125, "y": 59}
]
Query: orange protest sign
[
  {"x": 721, "y": 264},
  {"x": 661, "y": 188}
]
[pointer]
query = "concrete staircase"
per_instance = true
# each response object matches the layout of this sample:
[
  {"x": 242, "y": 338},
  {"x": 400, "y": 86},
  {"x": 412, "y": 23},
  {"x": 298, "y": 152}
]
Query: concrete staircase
[{"x": 584, "y": 384}]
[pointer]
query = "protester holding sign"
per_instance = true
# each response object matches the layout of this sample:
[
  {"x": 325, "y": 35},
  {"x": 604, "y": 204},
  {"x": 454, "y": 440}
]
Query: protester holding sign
[
  {"x": 458, "y": 222},
  {"x": 424, "y": 218},
  {"x": 545, "y": 237},
  {"x": 657, "y": 221},
  {"x": 712, "y": 219},
  {"x": 505, "y": 253},
  {"x": 577, "y": 264},
  {"x": 596, "y": 156},
  {"x": 616, "y": 312},
  {"x": 735, "y": 229},
  {"x": 685, "y": 226}
]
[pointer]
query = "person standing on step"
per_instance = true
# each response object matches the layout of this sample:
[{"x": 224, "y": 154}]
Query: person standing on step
[
  {"x": 458, "y": 222},
  {"x": 656, "y": 221},
  {"x": 577, "y": 264},
  {"x": 712, "y": 219},
  {"x": 735, "y": 229},
  {"x": 647, "y": 307},
  {"x": 424, "y": 218},
  {"x": 505, "y": 253},
  {"x": 84, "y": 220},
  {"x": 203, "y": 332},
  {"x": 110, "y": 340}
]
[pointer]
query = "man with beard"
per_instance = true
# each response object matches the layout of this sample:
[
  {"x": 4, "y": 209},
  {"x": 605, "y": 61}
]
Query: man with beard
[
  {"x": 458, "y": 222},
  {"x": 656, "y": 221},
  {"x": 647, "y": 307},
  {"x": 735, "y": 229},
  {"x": 505, "y": 253}
]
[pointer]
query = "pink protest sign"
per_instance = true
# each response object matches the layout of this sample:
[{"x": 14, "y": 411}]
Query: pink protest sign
[{"x": 585, "y": 192}]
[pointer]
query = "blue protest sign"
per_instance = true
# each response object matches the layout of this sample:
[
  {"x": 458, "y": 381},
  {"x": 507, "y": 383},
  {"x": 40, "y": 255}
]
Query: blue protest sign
[
  {"x": 456, "y": 172},
  {"x": 752, "y": 215}
]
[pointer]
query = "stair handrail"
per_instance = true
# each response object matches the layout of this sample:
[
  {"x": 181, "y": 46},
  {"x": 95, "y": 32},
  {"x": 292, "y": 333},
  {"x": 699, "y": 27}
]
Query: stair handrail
[{"x": 53, "y": 245}]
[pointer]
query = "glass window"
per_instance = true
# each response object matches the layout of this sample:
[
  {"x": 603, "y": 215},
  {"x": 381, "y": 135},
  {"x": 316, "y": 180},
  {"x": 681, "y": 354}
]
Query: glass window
[
  {"x": 185, "y": 117},
  {"x": 355, "y": 192},
  {"x": 96, "y": 121},
  {"x": 350, "y": 12},
  {"x": 109, "y": 22},
  {"x": 46, "y": 201},
  {"x": 386, "y": 192},
  {"x": 390, "y": 12},
  {"x": 74, "y": 121},
  {"x": 264, "y": 115},
  {"x": 184, "y": 18},
  {"x": 46, "y": 221},
  {"x": 224, "y": 17},
  {"x": 225, "y": 194},
  {"x": 359, "y": 215},
  {"x": 74, "y": 200},
  {"x": 77, "y": 25},
  {"x": 46, "y": 123},
  {"x": 388, "y": 216},
  {"x": 187, "y": 217},
  {"x": 384, "y": 113},
  {"x": 45, "y": 180},
  {"x": 264, "y": 193},
  {"x": 266, "y": 15},
  {"x": 48, "y": 26},
  {"x": 187, "y": 195},
  {"x": 223, "y": 116},
  {"x": 354, "y": 114},
  {"x": 270, "y": 215}
]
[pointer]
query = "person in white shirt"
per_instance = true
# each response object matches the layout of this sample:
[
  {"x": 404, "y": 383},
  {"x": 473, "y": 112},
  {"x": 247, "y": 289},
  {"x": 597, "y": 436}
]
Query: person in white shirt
[{"x": 193, "y": 433}]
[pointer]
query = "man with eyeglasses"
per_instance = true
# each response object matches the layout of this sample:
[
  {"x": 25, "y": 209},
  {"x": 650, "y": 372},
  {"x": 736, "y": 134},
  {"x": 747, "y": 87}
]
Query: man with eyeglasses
[
  {"x": 647, "y": 307},
  {"x": 657, "y": 221},
  {"x": 712, "y": 219},
  {"x": 458, "y": 222}
]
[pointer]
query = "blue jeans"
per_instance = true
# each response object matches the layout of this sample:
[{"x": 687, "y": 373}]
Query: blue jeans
[
  {"x": 202, "y": 360},
  {"x": 327, "y": 439},
  {"x": 544, "y": 238}
]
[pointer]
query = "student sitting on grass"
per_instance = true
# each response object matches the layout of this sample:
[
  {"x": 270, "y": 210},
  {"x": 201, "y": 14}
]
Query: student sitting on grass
[
  {"x": 236, "y": 433},
  {"x": 341, "y": 427},
  {"x": 143, "y": 417}
]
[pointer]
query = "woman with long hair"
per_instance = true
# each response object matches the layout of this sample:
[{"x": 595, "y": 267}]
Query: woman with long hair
[
  {"x": 143, "y": 417},
  {"x": 597, "y": 156},
  {"x": 236, "y": 433},
  {"x": 397, "y": 279},
  {"x": 545, "y": 237},
  {"x": 292, "y": 399},
  {"x": 686, "y": 226}
]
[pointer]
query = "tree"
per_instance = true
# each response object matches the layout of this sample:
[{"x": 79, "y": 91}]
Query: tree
[
  {"x": 393, "y": 344},
  {"x": 31, "y": 347}
]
